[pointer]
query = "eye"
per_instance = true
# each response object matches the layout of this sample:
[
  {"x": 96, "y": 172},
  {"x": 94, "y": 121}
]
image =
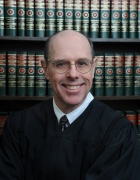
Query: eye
[
  {"x": 83, "y": 63},
  {"x": 60, "y": 64}
]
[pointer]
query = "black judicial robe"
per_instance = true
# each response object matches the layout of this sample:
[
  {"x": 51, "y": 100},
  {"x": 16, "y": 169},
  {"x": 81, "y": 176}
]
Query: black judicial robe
[{"x": 33, "y": 148}]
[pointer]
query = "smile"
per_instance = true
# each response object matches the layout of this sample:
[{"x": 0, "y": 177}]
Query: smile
[{"x": 72, "y": 87}]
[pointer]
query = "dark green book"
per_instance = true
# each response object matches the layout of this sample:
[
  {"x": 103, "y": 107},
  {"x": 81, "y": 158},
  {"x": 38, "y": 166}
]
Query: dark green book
[
  {"x": 21, "y": 73},
  {"x": 3, "y": 73},
  {"x": 59, "y": 15},
  {"x": 99, "y": 75},
  {"x": 129, "y": 74},
  {"x": 2, "y": 18},
  {"x": 116, "y": 18},
  {"x": 137, "y": 74},
  {"x": 119, "y": 74},
  {"x": 77, "y": 15},
  {"x": 50, "y": 21},
  {"x": 105, "y": 19},
  {"x": 85, "y": 17},
  {"x": 49, "y": 89},
  {"x": 40, "y": 80},
  {"x": 138, "y": 20},
  {"x": 133, "y": 20},
  {"x": 68, "y": 14},
  {"x": 94, "y": 19},
  {"x": 11, "y": 72},
  {"x": 39, "y": 18},
  {"x": 125, "y": 19},
  {"x": 109, "y": 74},
  {"x": 21, "y": 18},
  {"x": 29, "y": 18},
  {"x": 31, "y": 73},
  {"x": 10, "y": 17}
]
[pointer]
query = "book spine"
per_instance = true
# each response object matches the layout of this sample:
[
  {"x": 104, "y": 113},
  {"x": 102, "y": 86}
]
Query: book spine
[
  {"x": 119, "y": 74},
  {"x": 11, "y": 74},
  {"x": 85, "y": 17},
  {"x": 39, "y": 18},
  {"x": 10, "y": 18},
  {"x": 139, "y": 19},
  {"x": 21, "y": 18},
  {"x": 2, "y": 18},
  {"x": 3, "y": 73},
  {"x": 3, "y": 118},
  {"x": 129, "y": 62},
  {"x": 30, "y": 73},
  {"x": 131, "y": 116},
  {"x": 116, "y": 18},
  {"x": 21, "y": 73},
  {"x": 105, "y": 19},
  {"x": 99, "y": 75},
  {"x": 40, "y": 80},
  {"x": 49, "y": 89},
  {"x": 59, "y": 15},
  {"x": 77, "y": 15},
  {"x": 125, "y": 19},
  {"x": 68, "y": 14},
  {"x": 133, "y": 20},
  {"x": 137, "y": 74},
  {"x": 50, "y": 21},
  {"x": 138, "y": 120},
  {"x": 94, "y": 19},
  {"x": 29, "y": 18},
  {"x": 109, "y": 74}
]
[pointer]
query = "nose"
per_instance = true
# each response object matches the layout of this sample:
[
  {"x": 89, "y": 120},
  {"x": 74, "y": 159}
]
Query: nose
[{"x": 72, "y": 72}]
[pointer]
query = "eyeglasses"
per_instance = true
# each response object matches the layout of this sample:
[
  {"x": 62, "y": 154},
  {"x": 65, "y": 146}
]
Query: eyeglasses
[{"x": 62, "y": 66}]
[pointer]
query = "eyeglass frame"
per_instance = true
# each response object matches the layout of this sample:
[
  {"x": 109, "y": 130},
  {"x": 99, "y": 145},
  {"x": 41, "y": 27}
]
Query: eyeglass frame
[{"x": 53, "y": 63}]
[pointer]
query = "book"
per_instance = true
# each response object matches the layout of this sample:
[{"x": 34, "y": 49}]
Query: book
[
  {"x": 119, "y": 74},
  {"x": 68, "y": 14},
  {"x": 131, "y": 115},
  {"x": 137, "y": 74},
  {"x": 50, "y": 17},
  {"x": 109, "y": 74},
  {"x": 2, "y": 18},
  {"x": 105, "y": 19},
  {"x": 3, "y": 118},
  {"x": 99, "y": 75},
  {"x": 138, "y": 23},
  {"x": 59, "y": 15},
  {"x": 10, "y": 17},
  {"x": 129, "y": 73},
  {"x": 116, "y": 9},
  {"x": 30, "y": 73},
  {"x": 40, "y": 80},
  {"x": 49, "y": 89},
  {"x": 94, "y": 18},
  {"x": 125, "y": 19},
  {"x": 3, "y": 69},
  {"x": 133, "y": 20},
  {"x": 39, "y": 18},
  {"x": 85, "y": 17},
  {"x": 21, "y": 73},
  {"x": 11, "y": 72},
  {"x": 29, "y": 18},
  {"x": 77, "y": 15},
  {"x": 21, "y": 17}
]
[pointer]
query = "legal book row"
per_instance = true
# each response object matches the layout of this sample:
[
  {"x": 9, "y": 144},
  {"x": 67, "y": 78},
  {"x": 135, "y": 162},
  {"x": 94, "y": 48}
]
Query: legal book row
[
  {"x": 94, "y": 18},
  {"x": 116, "y": 74}
]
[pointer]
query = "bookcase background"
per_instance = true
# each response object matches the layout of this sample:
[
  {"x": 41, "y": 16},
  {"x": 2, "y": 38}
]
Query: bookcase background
[{"x": 12, "y": 103}]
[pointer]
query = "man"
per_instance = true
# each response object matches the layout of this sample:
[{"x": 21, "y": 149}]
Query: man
[{"x": 95, "y": 143}]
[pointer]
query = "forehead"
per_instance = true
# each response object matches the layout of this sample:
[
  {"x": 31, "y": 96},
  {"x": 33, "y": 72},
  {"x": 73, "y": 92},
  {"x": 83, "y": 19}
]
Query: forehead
[{"x": 70, "y": 46}]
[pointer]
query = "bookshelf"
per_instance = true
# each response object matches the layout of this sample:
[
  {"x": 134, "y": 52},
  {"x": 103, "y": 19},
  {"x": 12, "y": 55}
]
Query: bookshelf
[{"x": 8, "y": 103}]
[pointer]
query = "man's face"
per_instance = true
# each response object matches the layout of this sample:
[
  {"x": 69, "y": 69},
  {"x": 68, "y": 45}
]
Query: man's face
[{"x": 70, "y": 88}]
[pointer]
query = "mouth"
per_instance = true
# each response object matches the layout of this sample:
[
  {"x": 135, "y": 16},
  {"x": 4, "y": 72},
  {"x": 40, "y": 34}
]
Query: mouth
[{"x": 72, "y": 87}]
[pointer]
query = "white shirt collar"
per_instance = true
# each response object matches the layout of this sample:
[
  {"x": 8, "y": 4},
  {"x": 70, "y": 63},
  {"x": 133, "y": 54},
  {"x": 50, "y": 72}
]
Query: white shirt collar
[{"x": 75, "y": 113}]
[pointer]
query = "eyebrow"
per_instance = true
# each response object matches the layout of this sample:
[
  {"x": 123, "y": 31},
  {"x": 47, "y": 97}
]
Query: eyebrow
[{"x": 70, "y": 60}]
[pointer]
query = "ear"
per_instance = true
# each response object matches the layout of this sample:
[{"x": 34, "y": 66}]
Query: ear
[
  {"x": 93, "y": 66},
  {"x": 45, "y": 67}
]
